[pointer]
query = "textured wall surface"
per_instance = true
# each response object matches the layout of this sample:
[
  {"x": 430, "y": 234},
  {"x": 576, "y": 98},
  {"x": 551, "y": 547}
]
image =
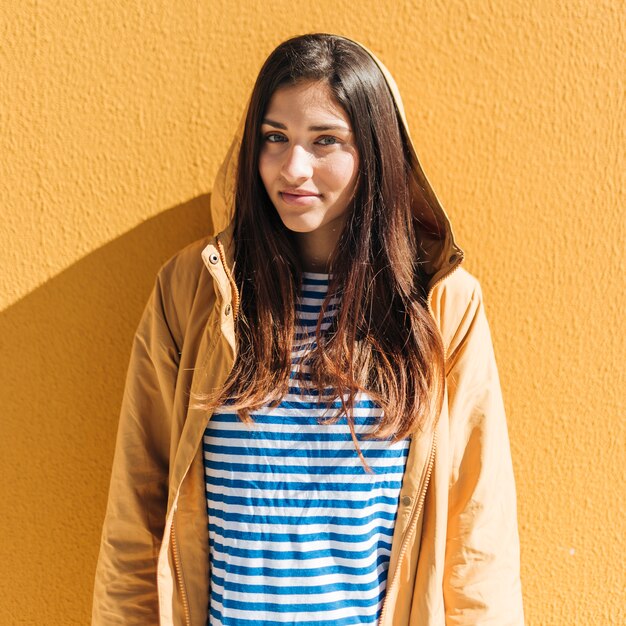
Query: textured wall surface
[{"x": 114, "y": 118}]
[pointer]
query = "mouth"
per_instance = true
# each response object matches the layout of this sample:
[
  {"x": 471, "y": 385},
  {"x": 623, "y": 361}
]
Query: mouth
[{"x": 298, "y": 199}]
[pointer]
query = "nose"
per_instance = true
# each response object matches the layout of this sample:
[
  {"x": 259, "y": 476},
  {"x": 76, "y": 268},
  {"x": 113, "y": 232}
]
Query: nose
[{"x": 297, "y": 165}]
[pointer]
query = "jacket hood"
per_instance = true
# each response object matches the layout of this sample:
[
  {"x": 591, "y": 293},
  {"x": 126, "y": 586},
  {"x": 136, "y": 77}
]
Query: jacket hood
[{"x": 436, "y": 241}]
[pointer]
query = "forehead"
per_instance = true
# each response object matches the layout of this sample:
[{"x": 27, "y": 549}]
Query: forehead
[{"x": 309, "y": 100}]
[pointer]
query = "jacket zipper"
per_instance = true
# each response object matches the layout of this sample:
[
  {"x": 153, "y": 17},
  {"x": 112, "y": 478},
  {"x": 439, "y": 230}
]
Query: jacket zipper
[
  {"x": 179, "y": 576},
  {"x": 175, "y": 553},
  {"x": 412, "y": 526},
  {"x": 220, "y": 247},
  {"x": 429, "y": 469}
]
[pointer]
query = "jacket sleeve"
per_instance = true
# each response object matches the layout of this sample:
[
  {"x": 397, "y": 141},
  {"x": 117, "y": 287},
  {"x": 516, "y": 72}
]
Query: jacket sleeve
[
  {"x": 481, "y": 575},
  {"x": 125, "y": 582}
]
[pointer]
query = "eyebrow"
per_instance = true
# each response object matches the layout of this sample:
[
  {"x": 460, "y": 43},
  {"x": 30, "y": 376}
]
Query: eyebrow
[{"x": 318, "y": 127}]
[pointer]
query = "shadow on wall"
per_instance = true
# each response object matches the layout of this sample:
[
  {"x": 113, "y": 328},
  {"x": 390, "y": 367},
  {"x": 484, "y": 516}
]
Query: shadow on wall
[{"x": 64, "y": 354}]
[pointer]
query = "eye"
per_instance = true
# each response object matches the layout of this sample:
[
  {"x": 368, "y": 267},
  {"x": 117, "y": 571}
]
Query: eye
[
  {"x": 269, "y": 136},
  {"x": 333, "y": 139}
]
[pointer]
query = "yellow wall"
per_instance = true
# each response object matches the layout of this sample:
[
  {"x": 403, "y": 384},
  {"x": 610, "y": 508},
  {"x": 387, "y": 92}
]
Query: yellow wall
[{"x": 114, "y": 118}]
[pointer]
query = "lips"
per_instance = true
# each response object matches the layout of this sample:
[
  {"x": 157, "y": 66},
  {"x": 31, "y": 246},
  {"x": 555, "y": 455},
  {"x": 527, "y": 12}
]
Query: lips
[
  {"x": 294, "y": 192},
  {"x": 298, "y": 198}
]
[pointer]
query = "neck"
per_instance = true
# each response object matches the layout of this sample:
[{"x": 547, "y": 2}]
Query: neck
[{"x": 316, "y": 247}]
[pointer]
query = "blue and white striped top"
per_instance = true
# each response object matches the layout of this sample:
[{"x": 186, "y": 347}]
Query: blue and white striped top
[{"x": 299, "y": 532}]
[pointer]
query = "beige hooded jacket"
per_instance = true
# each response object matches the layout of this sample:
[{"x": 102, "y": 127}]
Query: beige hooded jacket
[{"x": 455, "y": 549}]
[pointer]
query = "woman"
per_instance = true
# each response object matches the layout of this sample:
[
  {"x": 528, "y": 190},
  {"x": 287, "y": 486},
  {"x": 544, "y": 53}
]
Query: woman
[{"x": 312, "y": 429}]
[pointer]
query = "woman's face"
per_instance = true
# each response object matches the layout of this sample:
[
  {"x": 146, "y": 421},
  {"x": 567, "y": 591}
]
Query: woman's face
[{"x": 308, "y": 160}]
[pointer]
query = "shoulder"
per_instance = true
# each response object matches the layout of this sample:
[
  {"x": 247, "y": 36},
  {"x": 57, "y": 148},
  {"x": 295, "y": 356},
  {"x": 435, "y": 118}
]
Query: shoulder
[
  {"x": 455, "y": 289},
  {"x": 184, "y": 265},
  {"x": 455, "y": 302}
]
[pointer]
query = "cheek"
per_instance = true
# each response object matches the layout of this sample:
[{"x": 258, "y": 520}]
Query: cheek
[{"x": 343, "y": 171}]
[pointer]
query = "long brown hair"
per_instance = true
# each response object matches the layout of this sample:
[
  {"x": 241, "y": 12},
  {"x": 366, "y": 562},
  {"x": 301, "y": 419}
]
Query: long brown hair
[{"x": 382, "y": 340}]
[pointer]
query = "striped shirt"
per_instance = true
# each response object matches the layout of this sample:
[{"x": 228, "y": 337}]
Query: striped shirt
[{"x": 299, "y": 532}]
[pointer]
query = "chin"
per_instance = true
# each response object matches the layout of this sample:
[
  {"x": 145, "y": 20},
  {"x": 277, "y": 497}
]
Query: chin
[{"x": 300, "y": 223}]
